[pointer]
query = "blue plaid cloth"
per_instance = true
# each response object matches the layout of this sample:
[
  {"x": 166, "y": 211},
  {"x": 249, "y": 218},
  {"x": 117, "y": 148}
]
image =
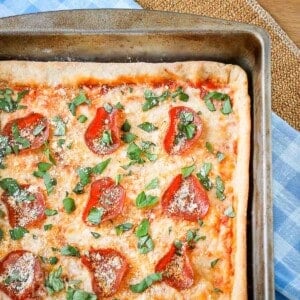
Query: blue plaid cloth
[{"x": 286, "y": 161}]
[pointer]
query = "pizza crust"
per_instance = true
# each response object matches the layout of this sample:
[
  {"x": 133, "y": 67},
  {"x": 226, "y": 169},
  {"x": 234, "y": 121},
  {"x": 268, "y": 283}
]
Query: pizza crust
[{"x": 74, "y": 74}]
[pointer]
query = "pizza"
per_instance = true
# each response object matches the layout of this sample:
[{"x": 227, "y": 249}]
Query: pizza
[{"x": 123, "y": 180}]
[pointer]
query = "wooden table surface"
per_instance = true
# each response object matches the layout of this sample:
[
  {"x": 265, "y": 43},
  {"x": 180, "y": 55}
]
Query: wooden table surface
[{"x": 287, "y": 15}]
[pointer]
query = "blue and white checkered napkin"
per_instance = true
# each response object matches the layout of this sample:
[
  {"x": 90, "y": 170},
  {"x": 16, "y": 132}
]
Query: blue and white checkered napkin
[{"x": 286, "y": 161}]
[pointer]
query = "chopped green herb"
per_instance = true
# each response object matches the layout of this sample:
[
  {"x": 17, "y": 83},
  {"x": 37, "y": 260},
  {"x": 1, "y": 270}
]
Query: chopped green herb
[
  {"x": 69, "y": 250},
  {"x": 220, "y": 156},
  {"x": 84, "y": 176},
  {"x": 96, "y": 235},
  {"x": 7, "y": 101},
  {"x": 50, "y": 212},
  {"x": 214, "y": 262},
  {"x": 192, "y": 238},
  {"x": 187, "y": 171},
  {"x": 186, "y": 128},
  {"x": 203, "y": 176},
  {"x": 20, "y": 141},
  {"x": 123, "y": 227},
  {"x": 145, "y": 242},
  {"x": 76, "y": 294},
  {"x": 99, "y": 168},
  {"x": 226, "y": 106},
  {"x": 61, "y": 142},
  {"x": 5, "y": 149},
  {"x": 60, "y": 126},
  {"x": 147, "y": 126},
  {"x": 82, "y": 118},
  {"x": 2, "y": 213},
  {"x": 1, "y": 234},
  {"x": 209, "y": 147},
  {"x": 217, "y": 290},
  {"x": 53, "y": 260},
  {"x": 153, "y": 184},
  {"x": 108, "y": 107},
  {"x": 119, "y": 177},
  {"x": 180, "y": 94},
  {"x": 47, "y": 152},
  {"x": 229, "y": 212},
  {"x": 95, "y": 215},
  {"x": 178, "y": 245},
  {"x": 48, "y": 227},
  {"x": 49, "y": 182},
  {"x": 12, "y": 188},
  {"x": 17, "y": 233},
  {"x": 200, "y": 222},
  {"x": 153, "y": 100},
  {"x": 126, "y": 126},
  {"x": 144, "y": 201},
  {"x": 119, "y": 106},
  {"x": 170, "y": 230},
  {"x": 128, "y": 137},
  {"x": 38, "y": 129},
  {"x": 137, "y": 155},
  {"x": 78, "y": 100},
  {"x": 106, "y": 138},
  {"x": 145, "y": 283},
  {"x": 69, "y": 204},
  {"x": 54, "y": 282},
  {"x": 220, "y": 188}
]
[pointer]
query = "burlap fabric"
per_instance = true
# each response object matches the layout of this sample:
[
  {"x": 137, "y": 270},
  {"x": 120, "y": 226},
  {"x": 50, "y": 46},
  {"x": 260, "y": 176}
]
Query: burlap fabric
[{"x": 285, "y": 54}]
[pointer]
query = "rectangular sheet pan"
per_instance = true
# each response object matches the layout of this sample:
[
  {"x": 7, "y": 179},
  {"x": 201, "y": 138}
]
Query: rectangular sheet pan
[{"x": 152, "y": 36}]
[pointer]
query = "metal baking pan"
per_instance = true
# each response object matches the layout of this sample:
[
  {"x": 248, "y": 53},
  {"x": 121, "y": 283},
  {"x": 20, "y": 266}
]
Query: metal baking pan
[{"x": 153, "y": 36}]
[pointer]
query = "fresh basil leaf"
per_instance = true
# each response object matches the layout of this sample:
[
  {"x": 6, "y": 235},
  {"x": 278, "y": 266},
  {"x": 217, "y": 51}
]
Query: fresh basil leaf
[
  {"x": 214, "y": 262},
  {"x": 144, "y": 201},
  {"x": 220, "y": 188},
  {"x": 48, "y": 227},
  {"x": 229, "y": 212},
  {"x": 119, "y": 177},
  {"x": 49, "y": 182},
  {"x": 61, "y": 142},
  {"x": 17, "y": 233},
  {"x": 203, "y": 176},
  {"x": 78, "y": 100},
  {"x": 209, "y": 104},
  {"x": 54, "y": 282},
  {"x": 60, "y": 126},
  {"x": 69, "y": 204},
  {"x": 200, "y": 222},
  {"x": 153, "y": 184},
  {"x": 145, "y": 283},
  {"x": 180, "y": 94},
  {"x": 187, "y": 171},
  {"x": 209, "y": 147},
  {"x": 50, "y": 212},
  {"x": 38, "y": 129},
  {"x": 44, "y": 166},
  {"x": 53, "y": 260},
  {"x": 147, "y": 126},
  {"x": 95, "y": 215},
  {"x": 69, "y": 250},
  {"x": 76, "y": 294},
  {"x": 47, "y": 152},
  {"x": 12, "y": 188},
  {"x": 99, "y": 168},
  {"x": 5, "y": 149},
  {"x": 134, "y": 152},
  {"x": 126, "y": 126},
  {"x": 145, "y": 244},
  {"x": 178, "y": 245},
  {"x": 21, "y": 95},
  {"x": 220, "y": 156},
  {"x": 123, "y": 227},
  {"x": 153, "y": 100},
  {"x": 108, "y": 107},
  {"x": 226, "y": 108},
  {"x": 21, "y": 141},
  {"x": 128, "y": 137},
  {"x": 84, "y": 175},
  {"x": 143, "y": 228},
  {"x": 96, "y": 235},
  {"x": 192, "y": 238},
  {"x": 82, "y": 118},
  {"x": 106, "y": 138},
  {"x": 7, "y": 101},
  {"x": 1, "y": 234},
  {"x": 119, "y": 106}
]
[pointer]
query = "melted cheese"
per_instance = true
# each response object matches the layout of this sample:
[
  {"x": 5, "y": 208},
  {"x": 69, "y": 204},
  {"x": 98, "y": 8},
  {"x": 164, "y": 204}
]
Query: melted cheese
[{"x": 219, "y": 130}]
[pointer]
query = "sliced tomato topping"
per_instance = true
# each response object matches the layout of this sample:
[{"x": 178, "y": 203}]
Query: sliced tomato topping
[
  {"x": 176, "y": 269},
  {"x": 108, "y": 268},
  {"x": 32, "y": 130},
  {"x": 25, "y": 213},
  {"x": 184, "y": 130},
  {"x": 185, "y": 198},
  {"x": 21, "y": 275},
  {"x": 106, "y": 196},
  {"x": 103, "y": 135}
]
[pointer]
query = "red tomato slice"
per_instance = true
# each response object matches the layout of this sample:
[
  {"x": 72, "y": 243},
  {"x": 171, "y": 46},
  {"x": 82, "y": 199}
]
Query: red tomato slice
[
  {"x": 185, "y": 198},
  {"x": 26, "y": 127},
  {"x": 108, "y": 268},
  {"x": 21, "y": 275},
  {"x": 25, "y": 213},
  {"x": 177, "y": 141},
  {"x": 108, "y": 124},
  {"x": 176, "y": 269},
  {"x": 107, "y": 195}
]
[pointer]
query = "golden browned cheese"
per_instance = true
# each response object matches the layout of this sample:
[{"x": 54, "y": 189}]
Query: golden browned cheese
[{"x": 221, "y": 131}]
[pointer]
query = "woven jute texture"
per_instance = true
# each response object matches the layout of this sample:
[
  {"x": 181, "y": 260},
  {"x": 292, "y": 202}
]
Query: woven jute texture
[{"x": 285, "y": 54}]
